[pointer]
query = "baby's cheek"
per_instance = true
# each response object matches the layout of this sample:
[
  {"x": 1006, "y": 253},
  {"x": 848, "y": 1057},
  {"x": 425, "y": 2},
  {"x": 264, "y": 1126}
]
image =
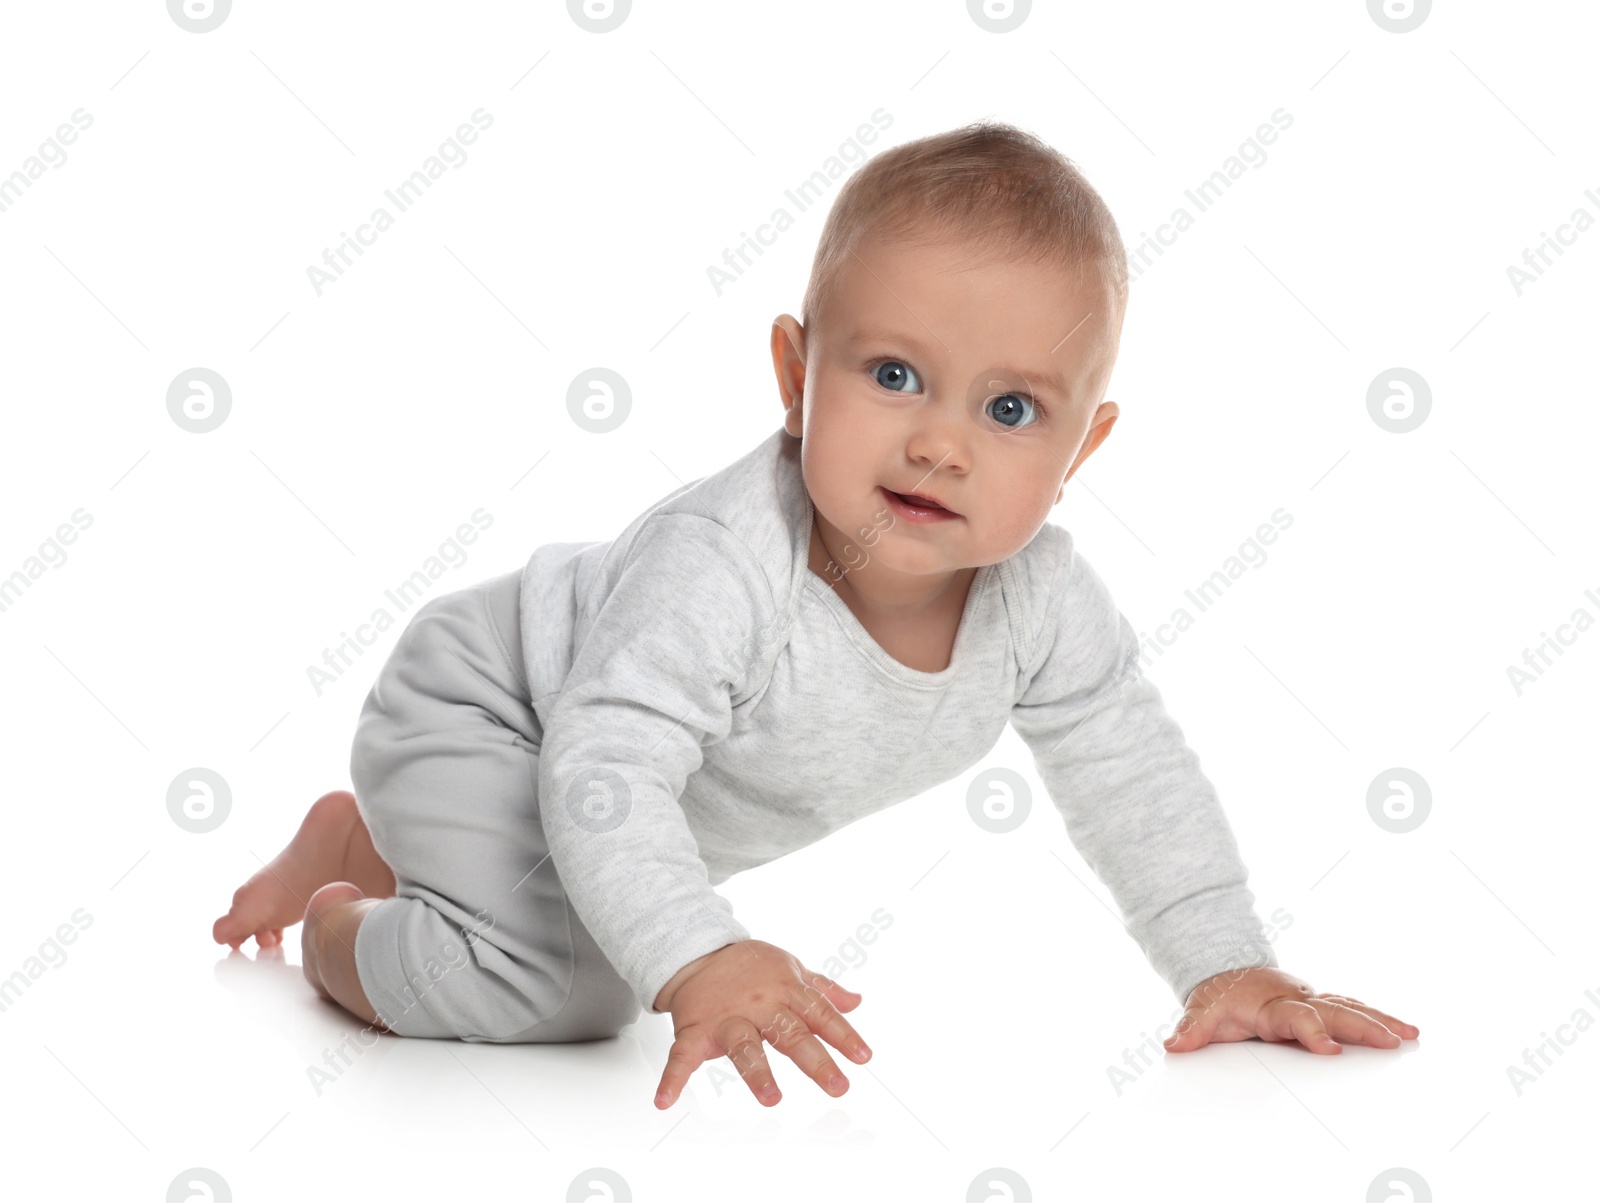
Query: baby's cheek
[{"x": 1013, "y": 529}]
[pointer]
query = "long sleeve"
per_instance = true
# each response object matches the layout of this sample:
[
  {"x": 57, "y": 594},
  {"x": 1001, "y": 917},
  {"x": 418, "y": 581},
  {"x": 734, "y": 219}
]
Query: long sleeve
[
  {"x": 1135, "y": 803},
  {"x": 653, "y": 681}
]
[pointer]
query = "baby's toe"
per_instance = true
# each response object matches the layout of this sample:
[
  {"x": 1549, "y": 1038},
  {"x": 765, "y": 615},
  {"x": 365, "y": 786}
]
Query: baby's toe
[{"x": 230, "y": 929}]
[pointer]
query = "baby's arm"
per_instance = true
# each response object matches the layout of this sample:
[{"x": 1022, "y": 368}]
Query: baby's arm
[
  {"x": 1130, "y": 790},
  {"x": 653, "y": 682},
  {"x": 1148, "y": 822}
]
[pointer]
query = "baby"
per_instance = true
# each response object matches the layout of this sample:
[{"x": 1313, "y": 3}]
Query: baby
[{"x": 555, "y": 767}]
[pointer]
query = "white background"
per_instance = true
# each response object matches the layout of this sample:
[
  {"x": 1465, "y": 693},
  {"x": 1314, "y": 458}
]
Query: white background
[{"x": 368, "y": 422}]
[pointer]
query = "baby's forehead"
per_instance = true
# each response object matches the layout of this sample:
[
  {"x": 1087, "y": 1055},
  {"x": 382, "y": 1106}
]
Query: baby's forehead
[
  {"x": 953, "y": 319},
  {"x": 973, "y": 276}
]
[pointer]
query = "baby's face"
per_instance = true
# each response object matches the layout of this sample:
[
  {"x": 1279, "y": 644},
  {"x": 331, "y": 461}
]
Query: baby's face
[{"x": 974, "y": 383}]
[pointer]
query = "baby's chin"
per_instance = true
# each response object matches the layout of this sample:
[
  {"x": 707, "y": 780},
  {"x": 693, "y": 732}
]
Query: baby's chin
[{"x": 926, "y": 559}]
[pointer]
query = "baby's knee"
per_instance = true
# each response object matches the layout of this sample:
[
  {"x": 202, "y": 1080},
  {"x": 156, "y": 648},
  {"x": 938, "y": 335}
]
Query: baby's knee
[{"x": 424, "y": 977}]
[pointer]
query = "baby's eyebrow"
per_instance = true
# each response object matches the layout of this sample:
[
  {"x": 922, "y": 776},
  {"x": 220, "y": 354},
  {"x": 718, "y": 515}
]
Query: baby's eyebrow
[{"x": 873, "y": 334}]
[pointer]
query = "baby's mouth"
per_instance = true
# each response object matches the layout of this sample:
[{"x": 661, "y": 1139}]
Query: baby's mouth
[{"x": 918, "y": 502}]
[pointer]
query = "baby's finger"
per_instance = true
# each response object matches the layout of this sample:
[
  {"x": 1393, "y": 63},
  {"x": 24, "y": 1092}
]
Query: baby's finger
[
  {"x": 689, "y": 1052},
  {"x": 844, "y": 1000},
  {"x": 1352, "y": 1026},
  {"x": 1293, "y": 1019},
  {"x": 742, "y": 1039},
  {"x": 791, "y": 1037},
  {"x": 1406, "y": 1031},
  {"x": 823, "y": 1018},
  {"x": 1194, "y": 1030},
  {"x": 1345, "y": 999}
]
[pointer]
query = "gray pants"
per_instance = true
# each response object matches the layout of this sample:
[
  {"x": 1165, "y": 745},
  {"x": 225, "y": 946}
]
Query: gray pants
[{"x": 479, "y": 943}]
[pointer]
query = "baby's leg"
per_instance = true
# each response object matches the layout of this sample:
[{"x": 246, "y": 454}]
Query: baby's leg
[
  {"x": 328, "y": 946},
  {"x": 478, "y": 942},
  {"x": 333, "y": 844}
]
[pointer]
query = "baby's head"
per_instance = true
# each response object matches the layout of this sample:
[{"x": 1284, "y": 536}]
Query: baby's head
[{"x": 957, "y": 336}]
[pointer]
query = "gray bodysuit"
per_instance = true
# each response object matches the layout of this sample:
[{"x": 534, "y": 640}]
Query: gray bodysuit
[{"x": 561, "y": 764}]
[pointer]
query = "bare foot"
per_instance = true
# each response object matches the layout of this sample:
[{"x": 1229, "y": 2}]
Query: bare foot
[{"x": 331, "y": 845}]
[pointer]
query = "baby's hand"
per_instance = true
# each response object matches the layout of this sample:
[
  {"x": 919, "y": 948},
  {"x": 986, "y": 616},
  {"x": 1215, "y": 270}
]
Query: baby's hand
[
  {"x": 1276, "y": 1006},
  {"x": 749, "y": 991}
]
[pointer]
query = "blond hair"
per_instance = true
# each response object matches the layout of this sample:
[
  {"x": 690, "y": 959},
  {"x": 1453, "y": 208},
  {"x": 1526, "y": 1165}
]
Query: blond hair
[{"x": 989, "y": 184}]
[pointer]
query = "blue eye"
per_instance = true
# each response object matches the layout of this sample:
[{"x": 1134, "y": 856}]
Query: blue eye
[
  {"x": 1011, "y": 411},
  {"x": 892, "y": 374},
  {"x": 1007, "y": 409}
]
